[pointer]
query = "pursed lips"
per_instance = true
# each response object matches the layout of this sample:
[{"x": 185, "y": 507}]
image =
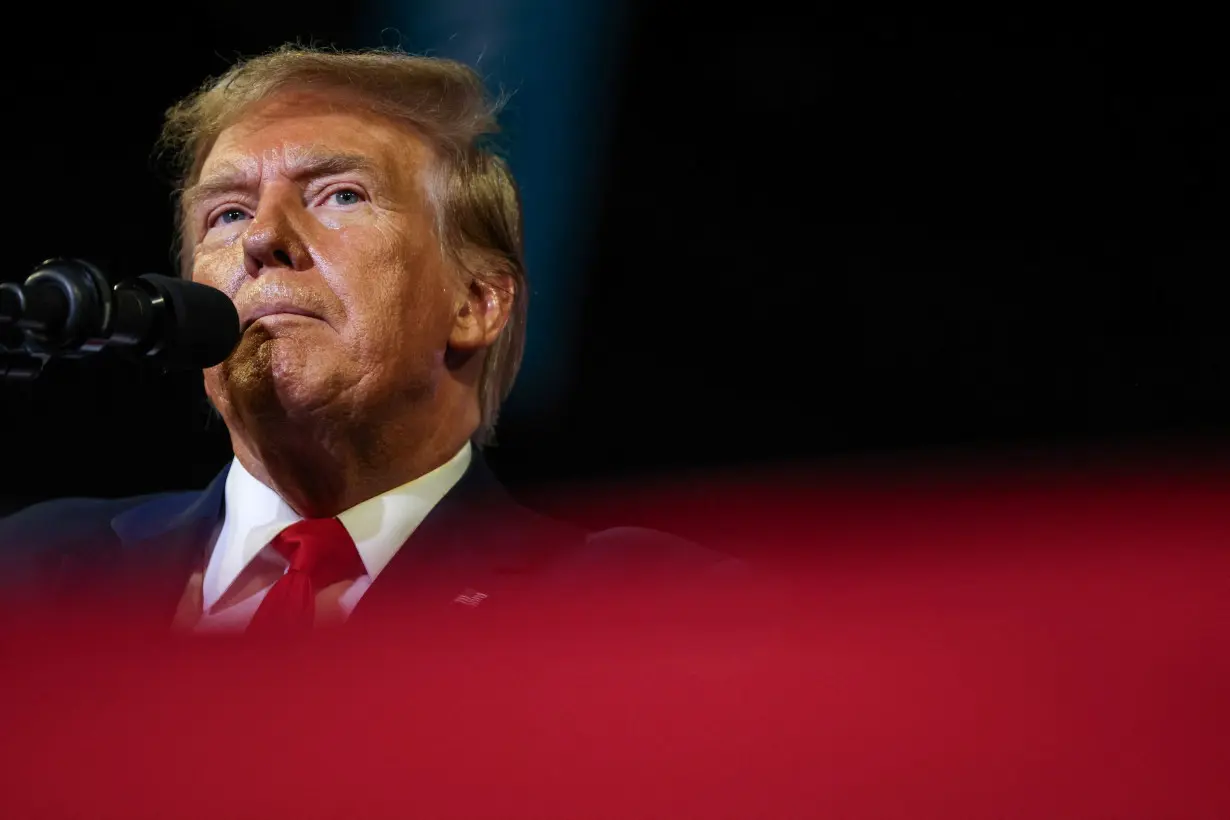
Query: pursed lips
[{"x": 273, "y": 309}]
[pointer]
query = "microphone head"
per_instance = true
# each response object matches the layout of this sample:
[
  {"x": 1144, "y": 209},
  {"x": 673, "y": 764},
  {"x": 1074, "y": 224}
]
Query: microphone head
[{"x": 199, "y": 326}]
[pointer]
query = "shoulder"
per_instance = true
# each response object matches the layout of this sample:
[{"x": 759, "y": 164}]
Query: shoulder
[
  {"x": 68, "y": 517},
  {"x": 639, "y": 554},
  {"x": 635, "y": 583},
  {"x": 640, "y": 546},
  {"x": 62, "y": 518},
  {"x": 43, "y": 534}
]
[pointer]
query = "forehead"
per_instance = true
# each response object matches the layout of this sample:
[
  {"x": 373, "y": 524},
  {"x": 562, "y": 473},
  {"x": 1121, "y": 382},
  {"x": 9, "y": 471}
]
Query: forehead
[{"x": 291, "y": 125}]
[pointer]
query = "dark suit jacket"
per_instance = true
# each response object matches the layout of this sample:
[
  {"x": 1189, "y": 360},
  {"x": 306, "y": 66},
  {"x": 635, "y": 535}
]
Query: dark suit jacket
[{"x": 477, "y": 549}]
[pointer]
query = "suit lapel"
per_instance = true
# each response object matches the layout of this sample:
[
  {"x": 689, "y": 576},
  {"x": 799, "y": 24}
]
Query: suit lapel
[
  {"x": 473, "y": 551},
  {"x": 164, "y": 542}
]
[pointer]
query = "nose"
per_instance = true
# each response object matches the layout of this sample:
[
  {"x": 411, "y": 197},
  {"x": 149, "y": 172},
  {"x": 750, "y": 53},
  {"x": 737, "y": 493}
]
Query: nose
[{"x": 272, "y": 242}]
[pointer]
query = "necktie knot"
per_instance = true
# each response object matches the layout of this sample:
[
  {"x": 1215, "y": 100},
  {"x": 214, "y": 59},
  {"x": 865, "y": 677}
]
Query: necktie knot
[
  {"x": 321, "y": 553},
  {"x": 321, "y": 548}
]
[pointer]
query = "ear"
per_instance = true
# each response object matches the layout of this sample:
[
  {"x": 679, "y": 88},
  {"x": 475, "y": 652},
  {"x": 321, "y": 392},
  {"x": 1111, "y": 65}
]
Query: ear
[{"x": 483, "y": 312}]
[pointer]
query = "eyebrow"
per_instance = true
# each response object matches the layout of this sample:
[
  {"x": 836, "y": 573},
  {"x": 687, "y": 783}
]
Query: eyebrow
[{"x": 234, "y": 176}]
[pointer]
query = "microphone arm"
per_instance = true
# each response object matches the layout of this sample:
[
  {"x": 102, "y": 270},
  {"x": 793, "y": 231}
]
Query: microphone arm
[{"x": 67, "y": 309}]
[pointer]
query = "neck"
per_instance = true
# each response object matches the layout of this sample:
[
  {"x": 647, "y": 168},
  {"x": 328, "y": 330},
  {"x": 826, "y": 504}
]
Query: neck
[{"x": 322, "y": 467}]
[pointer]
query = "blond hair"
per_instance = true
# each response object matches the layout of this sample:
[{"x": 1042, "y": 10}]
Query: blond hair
[{"x": 478, "y": 208}]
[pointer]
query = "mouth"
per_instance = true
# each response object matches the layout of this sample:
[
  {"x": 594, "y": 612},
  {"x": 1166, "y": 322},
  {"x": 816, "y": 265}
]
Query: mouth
[{"x": 275, "y": 309}]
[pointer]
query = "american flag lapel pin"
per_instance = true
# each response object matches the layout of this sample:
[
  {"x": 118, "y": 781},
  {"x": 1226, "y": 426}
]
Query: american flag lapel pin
[{"x": 470, "y": 597}]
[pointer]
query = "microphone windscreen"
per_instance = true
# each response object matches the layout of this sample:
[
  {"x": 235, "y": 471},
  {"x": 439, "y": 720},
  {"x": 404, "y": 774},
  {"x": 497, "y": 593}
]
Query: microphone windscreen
[{"x": 202, "y": 327}]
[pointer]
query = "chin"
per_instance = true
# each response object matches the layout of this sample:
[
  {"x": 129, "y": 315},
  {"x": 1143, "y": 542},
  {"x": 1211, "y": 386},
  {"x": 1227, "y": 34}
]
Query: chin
[{"x": 287, "y": 379}]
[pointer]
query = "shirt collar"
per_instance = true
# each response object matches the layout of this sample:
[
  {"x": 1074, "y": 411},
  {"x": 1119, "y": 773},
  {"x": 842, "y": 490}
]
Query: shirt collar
[{"x": 255, "y": 514}]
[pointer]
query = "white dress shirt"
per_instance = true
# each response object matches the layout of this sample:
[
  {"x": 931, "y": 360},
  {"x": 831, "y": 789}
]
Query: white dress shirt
[{"x": 255, "y": 514}]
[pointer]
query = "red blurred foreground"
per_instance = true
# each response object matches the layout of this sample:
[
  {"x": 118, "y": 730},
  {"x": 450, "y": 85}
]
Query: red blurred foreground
[{"x": 1044, "y": 648}]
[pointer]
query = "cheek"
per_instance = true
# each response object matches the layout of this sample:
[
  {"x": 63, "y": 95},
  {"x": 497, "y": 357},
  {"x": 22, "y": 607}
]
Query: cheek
[
  {"x": 219, "y": 265},
  {"x": 387, "y": 275}
]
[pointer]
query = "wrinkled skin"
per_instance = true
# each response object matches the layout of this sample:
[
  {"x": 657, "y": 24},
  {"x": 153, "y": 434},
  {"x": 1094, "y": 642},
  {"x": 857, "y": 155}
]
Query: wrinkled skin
[{"x": 362, "y": 343}]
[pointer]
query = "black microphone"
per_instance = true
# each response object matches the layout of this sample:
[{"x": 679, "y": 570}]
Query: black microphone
[{"x": 66, "y": 308}]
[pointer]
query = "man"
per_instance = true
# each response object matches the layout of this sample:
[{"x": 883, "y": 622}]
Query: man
[{"x": 372, "y": 247}]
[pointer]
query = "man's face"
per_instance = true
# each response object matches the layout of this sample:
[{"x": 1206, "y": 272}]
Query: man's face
[{"x": 312, "y": 214}]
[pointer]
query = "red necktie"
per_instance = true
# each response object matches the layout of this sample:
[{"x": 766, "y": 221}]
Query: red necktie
[{"x": 321, "y": 553}]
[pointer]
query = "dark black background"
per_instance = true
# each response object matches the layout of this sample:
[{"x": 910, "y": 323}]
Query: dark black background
[{"x": 819, "y": 236}]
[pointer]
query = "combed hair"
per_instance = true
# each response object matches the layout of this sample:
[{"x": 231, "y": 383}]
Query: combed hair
[{"x": 477, "y": 203}]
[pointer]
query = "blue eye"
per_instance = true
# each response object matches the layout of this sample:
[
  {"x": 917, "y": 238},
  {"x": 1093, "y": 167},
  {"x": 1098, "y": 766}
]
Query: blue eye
[
  {"x": 230, "y": 215},
  {"x": 346, "y": 197}
]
